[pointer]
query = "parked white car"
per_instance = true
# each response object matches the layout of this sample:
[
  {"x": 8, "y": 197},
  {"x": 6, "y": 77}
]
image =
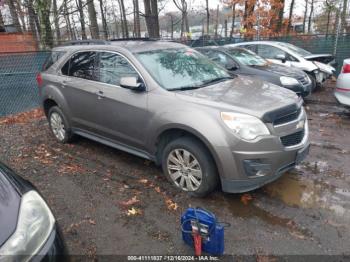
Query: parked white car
[
  {"x": 342, "y": 92},
  {"x": 319, "y": 67}
]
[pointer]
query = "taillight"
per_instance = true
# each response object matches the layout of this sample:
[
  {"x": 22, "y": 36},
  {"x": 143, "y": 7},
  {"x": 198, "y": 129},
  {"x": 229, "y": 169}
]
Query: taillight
[
  {"x": 346, "y": 69},
  {"x": 39, "y": 80}
]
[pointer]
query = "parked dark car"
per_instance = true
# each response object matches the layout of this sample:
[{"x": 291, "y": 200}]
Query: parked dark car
[
  {"x": 28, "y": 230},
  {"x": 244, "y": 62}
]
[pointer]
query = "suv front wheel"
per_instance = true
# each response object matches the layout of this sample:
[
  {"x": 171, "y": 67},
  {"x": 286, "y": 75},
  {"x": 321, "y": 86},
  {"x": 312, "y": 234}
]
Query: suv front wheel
[
  {"x": 59, "y": 125},
  {"x": 188, "y": 164}
]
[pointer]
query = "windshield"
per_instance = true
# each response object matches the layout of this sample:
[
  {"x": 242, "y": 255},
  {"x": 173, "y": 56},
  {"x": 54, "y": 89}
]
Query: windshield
[
  {"x": 295, "y": 49},
  {"x": 247, "y": 57},
  {"x": 181, "y": 68}
]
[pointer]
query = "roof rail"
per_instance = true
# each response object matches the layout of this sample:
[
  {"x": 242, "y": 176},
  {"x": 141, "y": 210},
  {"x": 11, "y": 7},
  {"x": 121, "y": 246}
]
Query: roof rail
[
  {"x": 134, "y": 39},
  {"x": 87, "y": 42}
]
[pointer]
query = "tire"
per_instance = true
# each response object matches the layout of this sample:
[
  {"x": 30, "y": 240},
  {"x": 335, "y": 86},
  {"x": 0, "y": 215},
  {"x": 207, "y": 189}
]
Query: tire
[
  {"x": 183, "y": 175},
  {"x": 58, "y": 120},
  {"x": 313, "y": 81}
]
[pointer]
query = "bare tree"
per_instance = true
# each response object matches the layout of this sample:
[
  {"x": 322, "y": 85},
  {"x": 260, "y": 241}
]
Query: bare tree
[
  {"x": 14, "y": 14},
  {"x": 217, "y": 21},
  {"x": 2, "y": 24},
  {"x": 33, "y": 20},
  {"x": 104, "y": 22},
  {"x": 182, "y": 6},
  {"x": 21, "y": 14},
  {"x": 124, "y": 22},
  {"x": 137, "y": 26},
  {"x": 233, "y": 19},
  {"x": 310, "y": 16},
  {"x": 43, "y": 11},
  {"x": 290, "y": 16},
  {"x": 68, "y": 23},
  {"x": 343, "y": 16},
  {"x": 208, "y": 15},
  {"x": 79, "y": 4},
  {"x": 95, "y": 33},
  {"x": 151, "y": 16},
  {"x": 305, "y": 15},
  {"x": 56, "y": 20}
]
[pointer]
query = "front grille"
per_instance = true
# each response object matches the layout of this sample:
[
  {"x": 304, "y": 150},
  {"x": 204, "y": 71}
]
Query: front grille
[
  {"x": 287, "y": 118},
  {"x": 293, "y": 139}
]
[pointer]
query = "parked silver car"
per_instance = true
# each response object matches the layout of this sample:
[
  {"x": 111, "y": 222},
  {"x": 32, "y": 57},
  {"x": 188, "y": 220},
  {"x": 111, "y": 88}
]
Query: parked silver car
[
  {"x": 168, "y": 103},
  {"x": 342, "y": 92},
  {"x": 319, "y": 67}
]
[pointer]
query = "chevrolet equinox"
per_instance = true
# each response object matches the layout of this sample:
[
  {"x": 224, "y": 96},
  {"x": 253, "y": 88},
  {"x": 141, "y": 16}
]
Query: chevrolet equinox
[{"x": 170, "y": 104}]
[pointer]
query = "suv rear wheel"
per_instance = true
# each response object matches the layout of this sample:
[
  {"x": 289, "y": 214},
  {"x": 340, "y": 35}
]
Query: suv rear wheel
[
  {"x": 59, "y": 125},
  {"x": 188, "y": 164}
]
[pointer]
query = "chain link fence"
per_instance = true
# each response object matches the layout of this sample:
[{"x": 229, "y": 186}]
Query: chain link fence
[{"x": 18, "y": 70}]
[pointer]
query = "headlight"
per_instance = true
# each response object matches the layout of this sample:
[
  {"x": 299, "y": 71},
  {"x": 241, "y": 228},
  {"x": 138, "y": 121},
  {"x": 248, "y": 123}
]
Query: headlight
[
  {"x": 245, "y": 126},
  {"x": 288, "y": 81},
  {"x": 34, "y": 225}
]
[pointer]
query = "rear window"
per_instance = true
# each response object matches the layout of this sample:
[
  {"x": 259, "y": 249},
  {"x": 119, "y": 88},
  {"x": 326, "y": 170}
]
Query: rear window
[{"x": 52, "y": 58}]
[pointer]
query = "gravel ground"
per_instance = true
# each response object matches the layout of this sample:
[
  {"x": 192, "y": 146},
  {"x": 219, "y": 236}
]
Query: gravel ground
[{"x": 110, "y": 202}]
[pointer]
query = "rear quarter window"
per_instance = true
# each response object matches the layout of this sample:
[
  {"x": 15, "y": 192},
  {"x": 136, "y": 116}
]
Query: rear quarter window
[{"x": 53, "y": 57}]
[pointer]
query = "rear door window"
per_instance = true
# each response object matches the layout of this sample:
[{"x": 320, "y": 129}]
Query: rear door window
[
  {"x": 270, "y": 52},
  {"x": 112, "y": 67},
  {"x": 82, "y": 65}
]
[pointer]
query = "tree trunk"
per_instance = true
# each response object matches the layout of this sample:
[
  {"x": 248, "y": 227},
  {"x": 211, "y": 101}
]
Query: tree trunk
[
  {"x": 280, "y": 16},
  {"x": 14, "y": 15},
  {"x": 328, "y": 21},
  {"x": 208, "y": 15},
  {"x": 124, "y": 21},
  {"x": 233, "y": 19},
  {"x": 343, "y": 16},
  {"x": 310, "y": 17},
  {"x": 95, "y": 33},
  {"x": 217, "y": 21},
  {"x": 305, "y": 15},
  {"x": 290, "y": 16},
  {"x": 137, "y": 25},
  {"x": 56, "y": 21},
  {"x": 2, "y": 24},
  {"x": 79, "y": 4},
  {"x": 225, "y": 23},
  {"x": 44, "y": 8},
  {"x": 104, "y": 22},
  {"x": 68, "y": 23},
  {"x": 21, "y": 15},
  {"x": 32, "y": 17},
  {"x": 151, "y": 16},
  {"x": 248, "y": 12}
]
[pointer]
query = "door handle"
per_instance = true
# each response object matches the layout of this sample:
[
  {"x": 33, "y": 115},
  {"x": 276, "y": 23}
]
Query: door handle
[
  {"x": 64, "y": 84},
  {"x": 100, "y": 94}
]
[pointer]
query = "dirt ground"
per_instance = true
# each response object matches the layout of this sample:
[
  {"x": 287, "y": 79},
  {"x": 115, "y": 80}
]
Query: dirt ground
[{"x": 110, "y": 202}]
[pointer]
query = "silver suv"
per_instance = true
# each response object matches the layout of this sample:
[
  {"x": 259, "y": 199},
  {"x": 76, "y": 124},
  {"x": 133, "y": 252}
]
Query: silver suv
[{"x": 168, "y": 103}]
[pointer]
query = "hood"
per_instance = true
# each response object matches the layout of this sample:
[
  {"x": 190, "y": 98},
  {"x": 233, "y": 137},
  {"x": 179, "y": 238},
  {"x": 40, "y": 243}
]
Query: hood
[
  {"x": 244, "y": 95},
  {"x": 9, "y": 207},
  {"x": 281, "y": 70},
  {"x": 323, "y": 58}
]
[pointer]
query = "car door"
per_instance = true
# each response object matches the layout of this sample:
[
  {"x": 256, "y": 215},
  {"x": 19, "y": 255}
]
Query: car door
[
  {"x": 79, "y": 89},
  {"x": 122, "y": 113},
  {"x": 271, "y": 53}
]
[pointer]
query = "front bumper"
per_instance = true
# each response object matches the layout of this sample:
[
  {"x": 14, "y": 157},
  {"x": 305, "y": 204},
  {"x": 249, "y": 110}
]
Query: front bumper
[
  {"x": 245, "y": 166},
  {"x": 301, "y": 90}
]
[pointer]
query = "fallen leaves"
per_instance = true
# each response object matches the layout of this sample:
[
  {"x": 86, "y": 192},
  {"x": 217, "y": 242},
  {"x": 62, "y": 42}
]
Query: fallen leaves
[
  {"x": 22, "y": 118},
  {"x": 246, "y": 198},
  {"x": 171, "y": 204},
  {"x": 71, "y": 169},
  {"x": 130, "y": 202},
  {"x": 134, "y": 212}
]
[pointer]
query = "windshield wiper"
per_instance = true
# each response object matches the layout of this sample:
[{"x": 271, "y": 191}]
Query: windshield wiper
[{"x": 216, "y": 80}]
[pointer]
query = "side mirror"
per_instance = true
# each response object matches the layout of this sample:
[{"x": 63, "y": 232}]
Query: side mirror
[
  {"x": 132, "y": 83},
  {"x": 281, "y": 57},
  {"x": 231, "y": 66}
]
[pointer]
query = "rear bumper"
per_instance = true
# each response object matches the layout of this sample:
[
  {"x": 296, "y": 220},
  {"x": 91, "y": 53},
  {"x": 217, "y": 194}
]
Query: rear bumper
[{"x": 343, "y": 97}]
